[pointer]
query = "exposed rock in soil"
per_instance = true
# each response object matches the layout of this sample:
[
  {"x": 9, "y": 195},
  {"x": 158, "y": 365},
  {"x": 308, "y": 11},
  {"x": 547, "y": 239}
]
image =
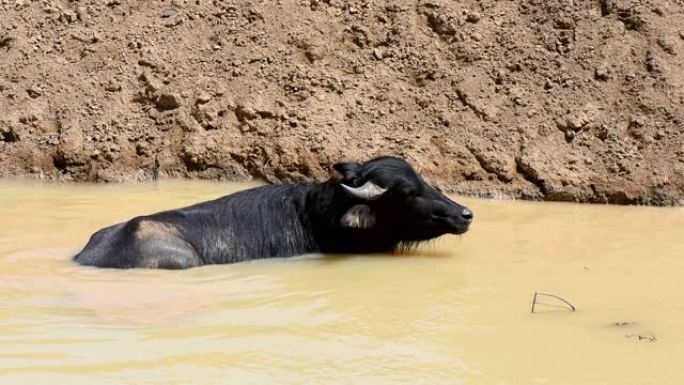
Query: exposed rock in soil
[{"x": 557, "y": 100}]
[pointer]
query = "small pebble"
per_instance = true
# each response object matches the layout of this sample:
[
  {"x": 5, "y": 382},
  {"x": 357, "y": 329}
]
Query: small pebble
[
  {"x": 203, "y": 98},
  {"x": 601, "y": 73}
]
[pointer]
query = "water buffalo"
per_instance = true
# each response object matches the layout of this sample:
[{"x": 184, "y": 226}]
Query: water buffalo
[{"x": 375, "y": 206}]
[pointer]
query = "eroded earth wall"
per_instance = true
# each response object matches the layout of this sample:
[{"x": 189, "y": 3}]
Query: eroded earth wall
[{"x": 571, "y": 100}]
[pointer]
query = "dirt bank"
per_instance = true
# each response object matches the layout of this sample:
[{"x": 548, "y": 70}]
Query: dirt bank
[{"x": 535, "y": 99}]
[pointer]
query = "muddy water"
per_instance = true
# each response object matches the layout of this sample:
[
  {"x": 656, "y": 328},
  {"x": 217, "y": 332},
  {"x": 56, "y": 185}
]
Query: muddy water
[{"x": 458, "y": 312}]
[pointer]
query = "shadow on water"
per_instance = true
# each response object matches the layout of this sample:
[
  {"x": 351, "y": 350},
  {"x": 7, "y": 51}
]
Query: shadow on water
[
  {"x": 387, "y": 256},
  {"x": 429, "y": 249}
]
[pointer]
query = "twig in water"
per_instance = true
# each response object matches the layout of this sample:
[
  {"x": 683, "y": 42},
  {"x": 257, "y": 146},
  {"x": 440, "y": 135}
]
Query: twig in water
[{"x": 537, "y": 294}]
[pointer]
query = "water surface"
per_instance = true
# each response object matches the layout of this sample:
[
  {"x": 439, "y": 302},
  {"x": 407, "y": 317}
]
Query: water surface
[{"x": 457, "y": 312}]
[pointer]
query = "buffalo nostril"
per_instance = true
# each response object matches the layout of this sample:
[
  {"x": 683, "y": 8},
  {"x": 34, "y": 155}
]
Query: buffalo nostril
[{"x": 467, "y": 214}]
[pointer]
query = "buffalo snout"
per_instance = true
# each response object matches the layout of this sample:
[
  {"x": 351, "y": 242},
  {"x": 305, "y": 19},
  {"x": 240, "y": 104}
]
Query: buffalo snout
[{"x": 456, "y": 217}]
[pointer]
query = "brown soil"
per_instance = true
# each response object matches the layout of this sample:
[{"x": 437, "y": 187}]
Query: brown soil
[{"x": 537, "y": 99}]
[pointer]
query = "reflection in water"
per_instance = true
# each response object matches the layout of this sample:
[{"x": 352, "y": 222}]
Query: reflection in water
[{"x": 456, "y": 312}]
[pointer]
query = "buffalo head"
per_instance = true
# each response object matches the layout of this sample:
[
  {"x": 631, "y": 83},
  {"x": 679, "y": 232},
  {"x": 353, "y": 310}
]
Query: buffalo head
[{"x": 389, "y": 197}]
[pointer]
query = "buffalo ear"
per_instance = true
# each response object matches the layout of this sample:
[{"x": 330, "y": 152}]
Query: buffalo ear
[
  {"x": 350, "y": 171},
  {"x": 358, "y": 217}
]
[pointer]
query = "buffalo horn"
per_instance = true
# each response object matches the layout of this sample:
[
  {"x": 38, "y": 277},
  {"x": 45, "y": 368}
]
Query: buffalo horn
[{"x": 368, "y": 191}]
